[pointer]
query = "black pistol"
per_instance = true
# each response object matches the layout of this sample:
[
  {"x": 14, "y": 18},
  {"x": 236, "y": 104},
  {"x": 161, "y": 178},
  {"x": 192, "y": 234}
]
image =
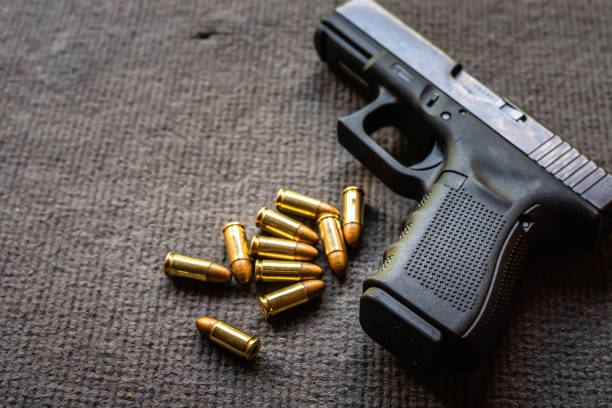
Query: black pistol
[{"x": 492, "y": 182}]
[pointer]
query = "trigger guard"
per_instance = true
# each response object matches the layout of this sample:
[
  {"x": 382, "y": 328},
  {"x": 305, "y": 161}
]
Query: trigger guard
[{"x": 354, "y": 134}]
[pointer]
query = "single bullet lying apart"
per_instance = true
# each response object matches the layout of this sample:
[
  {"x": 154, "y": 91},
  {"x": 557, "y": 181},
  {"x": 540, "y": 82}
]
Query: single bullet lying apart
[
  {"x": 192, "y": 268},
  {"x": 290, "y": 201},
  {"x": 285, "y": 271},
  {"x": 290, "y": 296},
  {"x": 226, "y": 336},
  {"x": 352, "y": 214},
  {"x": 333, "y": 241},
  {"x": 285, "y": 227},
  {"x": 279, "y": 248},
  {"x": 238, "y": 252}
]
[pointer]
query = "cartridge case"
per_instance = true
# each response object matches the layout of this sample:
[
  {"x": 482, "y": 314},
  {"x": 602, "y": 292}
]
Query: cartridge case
[
  {"x": 333, "y": 241},
  {"x": 290, "y": 297},
  {"x": 352, "y": 214},
  {"x": 278, "y": 248},
  {"x": 238, "y": 252},
  {"x": 267, "y": 270},
  {"x": 186, "y": 267},
  {"x": 300, "y": 204},
  {"x": 226, "y": 336},
  {"x": 285, "y": 227}
]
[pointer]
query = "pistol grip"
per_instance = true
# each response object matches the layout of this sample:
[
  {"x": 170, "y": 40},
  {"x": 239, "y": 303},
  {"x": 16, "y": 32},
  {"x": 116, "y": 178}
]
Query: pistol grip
[
  {"x": 353, "y": 134},
  {"x": 442, "y": 292}
]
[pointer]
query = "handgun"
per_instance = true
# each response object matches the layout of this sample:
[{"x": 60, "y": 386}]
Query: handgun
[{"x": 491, "y": 183}]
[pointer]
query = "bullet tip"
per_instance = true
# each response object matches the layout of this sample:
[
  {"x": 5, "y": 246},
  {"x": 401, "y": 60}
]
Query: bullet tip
[
  {"x": 205, "y": 325},
  {"x": 352, "y": 233},
  {"x": 327, "y": 208},
  {"x": 305, "y": 252},
  {"x": 242, "y": 270},
  {"x": 306, "y": 235},
  {"x": 218, "y": 274},
  {"x": 310, "y": 271},
  {"x": 338, "y": 262},
  {"x": 313, "y": 288}
]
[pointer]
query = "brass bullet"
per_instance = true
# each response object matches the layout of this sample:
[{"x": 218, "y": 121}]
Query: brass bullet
[
  {"x": 285, "y": 271},
  {"x": 278, "y": 248},
  {"x": 285, "y": 227},
  {"x": 289, "y": 297},
  {"x": 192, "y": 268},
  {"x": 352, "y": 214},
  {"x": 333, "y": 241},
  {"x": 300, "y": 204},
  {"x": 226, "y": 336},
  {"x": 238, "y": 252}
]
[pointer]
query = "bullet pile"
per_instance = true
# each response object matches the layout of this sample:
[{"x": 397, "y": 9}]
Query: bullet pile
[{"x": 282, "y": 258}]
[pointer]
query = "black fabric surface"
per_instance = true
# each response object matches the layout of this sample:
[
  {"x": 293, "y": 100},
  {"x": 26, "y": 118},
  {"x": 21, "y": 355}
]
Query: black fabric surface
[{"x": 130, "y": 129}]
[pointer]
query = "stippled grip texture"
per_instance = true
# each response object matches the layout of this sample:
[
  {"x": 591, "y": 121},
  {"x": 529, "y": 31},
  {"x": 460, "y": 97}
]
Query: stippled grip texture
[
  {"x": 455, "y": 266},
  {"x": 451, "y": 259}
]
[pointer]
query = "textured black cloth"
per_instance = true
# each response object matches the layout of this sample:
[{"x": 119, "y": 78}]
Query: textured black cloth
[{"x": 129, "y": 129}]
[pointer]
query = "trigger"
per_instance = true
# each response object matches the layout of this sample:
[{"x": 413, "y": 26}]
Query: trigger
[{"x": 434, "y": 158}]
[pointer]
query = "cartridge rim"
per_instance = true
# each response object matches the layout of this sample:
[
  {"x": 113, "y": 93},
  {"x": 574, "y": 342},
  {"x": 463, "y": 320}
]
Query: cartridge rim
[
  {"x": 229, "y": 224},
  {"x": 264, "y": 306},
  {"x": 258, "y": 269},
  {"x": 327, "y": 215},
  {"x": 279, "y": 196},
  {"x": 253, "y": 245},
  {"x": 260, "y": 215},
  {"x": 349, "y": 188},
  {"x": 168, "y": 262},
  {"x": 252, "y": 348}
]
